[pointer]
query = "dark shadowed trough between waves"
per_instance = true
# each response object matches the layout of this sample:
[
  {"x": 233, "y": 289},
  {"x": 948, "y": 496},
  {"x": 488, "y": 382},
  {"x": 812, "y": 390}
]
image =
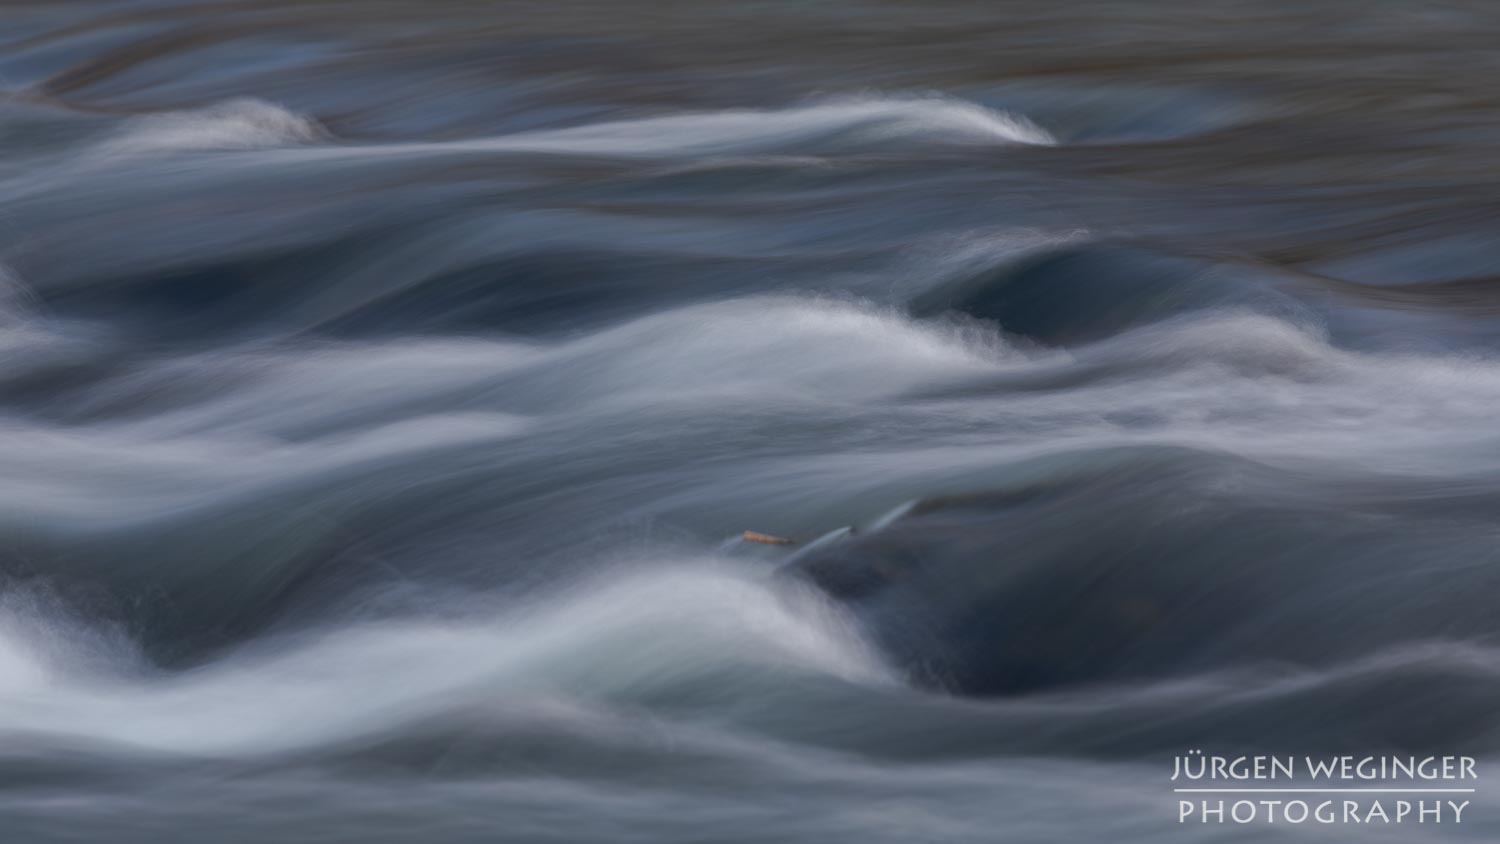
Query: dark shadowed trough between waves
[{"x": 385, "y": 386}]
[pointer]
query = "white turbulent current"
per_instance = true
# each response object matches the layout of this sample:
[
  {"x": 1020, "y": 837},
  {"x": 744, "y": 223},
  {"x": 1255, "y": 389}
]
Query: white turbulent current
[{"x": 386, "y": 388}]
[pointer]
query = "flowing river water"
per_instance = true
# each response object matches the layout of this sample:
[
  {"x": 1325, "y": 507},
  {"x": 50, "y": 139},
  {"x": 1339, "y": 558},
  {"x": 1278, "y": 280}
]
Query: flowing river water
[{"x": 386, "y": 385}]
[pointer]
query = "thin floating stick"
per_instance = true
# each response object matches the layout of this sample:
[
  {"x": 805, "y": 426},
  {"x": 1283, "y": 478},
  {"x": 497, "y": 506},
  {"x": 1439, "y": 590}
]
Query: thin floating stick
[{"x": 765, "y": 538}]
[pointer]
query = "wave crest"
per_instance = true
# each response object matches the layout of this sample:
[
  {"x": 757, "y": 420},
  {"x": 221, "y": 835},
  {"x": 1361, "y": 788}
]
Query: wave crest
[
  {"x": 666, "y": 632},
  {"x": 238, "y": 124}
]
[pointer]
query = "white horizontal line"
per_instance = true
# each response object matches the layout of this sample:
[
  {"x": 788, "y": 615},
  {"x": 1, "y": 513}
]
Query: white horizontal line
[{"x": 1324, "y": 790}]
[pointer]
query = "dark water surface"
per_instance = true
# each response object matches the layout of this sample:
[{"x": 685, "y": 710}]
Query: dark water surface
[{"x": 385, "y": 383}]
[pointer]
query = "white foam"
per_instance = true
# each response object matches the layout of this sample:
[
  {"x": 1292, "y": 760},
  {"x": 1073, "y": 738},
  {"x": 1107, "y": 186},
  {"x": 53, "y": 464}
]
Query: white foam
[
  {"x": 1245, "y": 343},
  {"x": 774, "y": 347},
  {"x": 831, "y": 127},
  {"x": 841, "y": 125},
  {"x": 233, "y": 125},
  {"x": 825, "y": 128},
  {"x": 305, "y": 429},
  {"x": 603, "y": 640},
  {"x": 854, "y": 125},
  {"x": 1239, "y": 382}
]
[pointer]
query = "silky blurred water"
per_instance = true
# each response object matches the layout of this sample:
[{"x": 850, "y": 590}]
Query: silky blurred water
[{"x": 386, "y": 386}]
